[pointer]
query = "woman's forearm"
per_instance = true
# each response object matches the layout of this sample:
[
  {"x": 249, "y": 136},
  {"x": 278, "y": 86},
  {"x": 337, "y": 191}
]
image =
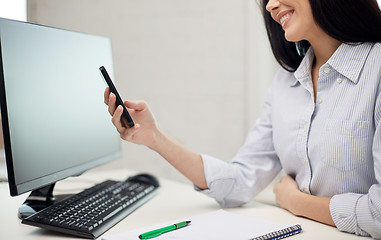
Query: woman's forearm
[
  {"x": 312, "y": 207},
  {"x": 189, "y": 163},
  {"x": 146, "y": 132}
]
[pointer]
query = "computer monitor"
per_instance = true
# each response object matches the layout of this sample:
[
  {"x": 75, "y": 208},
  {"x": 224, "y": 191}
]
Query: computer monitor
[{"x": 55, "y": 124}]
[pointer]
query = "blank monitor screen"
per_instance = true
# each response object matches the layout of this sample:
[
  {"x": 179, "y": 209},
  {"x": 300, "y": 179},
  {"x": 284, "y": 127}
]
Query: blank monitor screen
[{"x": 54, "y": 120}]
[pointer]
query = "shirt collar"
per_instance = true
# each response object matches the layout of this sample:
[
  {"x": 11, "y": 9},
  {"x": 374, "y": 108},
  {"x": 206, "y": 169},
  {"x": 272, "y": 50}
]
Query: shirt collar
[
  {"x": 303, "y": 72},
  {"x": 348, "y": 60}
]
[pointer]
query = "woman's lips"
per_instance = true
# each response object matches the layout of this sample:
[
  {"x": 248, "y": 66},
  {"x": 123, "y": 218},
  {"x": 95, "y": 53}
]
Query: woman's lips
[{"x": 284, "y": 17}]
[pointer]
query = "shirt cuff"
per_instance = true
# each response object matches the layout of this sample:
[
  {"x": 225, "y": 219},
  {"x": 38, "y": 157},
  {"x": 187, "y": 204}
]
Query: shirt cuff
[
  {"x": 343, "y": 212},
  {"x": 219, "y": 178}
]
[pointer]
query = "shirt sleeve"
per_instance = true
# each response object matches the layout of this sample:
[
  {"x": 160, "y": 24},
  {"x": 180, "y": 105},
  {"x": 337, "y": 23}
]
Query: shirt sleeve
[
  {"x": 254, "y": 166},
  {"x": 361, "y": 213}
]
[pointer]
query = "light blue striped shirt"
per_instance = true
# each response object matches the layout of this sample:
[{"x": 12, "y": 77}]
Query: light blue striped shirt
[{"x": 332, "y": 147}]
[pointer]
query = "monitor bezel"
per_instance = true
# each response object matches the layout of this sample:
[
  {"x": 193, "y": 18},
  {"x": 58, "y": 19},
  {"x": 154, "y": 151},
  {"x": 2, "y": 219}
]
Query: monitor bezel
[{"x": 5, "y": 126}]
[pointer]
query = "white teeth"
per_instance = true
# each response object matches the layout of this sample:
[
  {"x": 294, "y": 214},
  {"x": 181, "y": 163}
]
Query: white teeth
[{"x": 284, "y": 18}]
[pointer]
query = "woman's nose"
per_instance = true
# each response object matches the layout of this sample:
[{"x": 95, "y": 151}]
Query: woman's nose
[{"x": 272, "y": 5}]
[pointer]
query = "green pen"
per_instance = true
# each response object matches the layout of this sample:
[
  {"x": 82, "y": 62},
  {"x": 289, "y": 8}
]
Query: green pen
[{"x": 158, "y": 232}]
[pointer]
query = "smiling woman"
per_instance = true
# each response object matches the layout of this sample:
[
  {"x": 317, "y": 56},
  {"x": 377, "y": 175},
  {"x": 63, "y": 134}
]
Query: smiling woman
[
  {"x": 332, "y": 36},
  {"x": 321, "y": 122}
]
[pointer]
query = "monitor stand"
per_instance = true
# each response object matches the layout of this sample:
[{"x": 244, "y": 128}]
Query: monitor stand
[{"x": 38, "y": 200}]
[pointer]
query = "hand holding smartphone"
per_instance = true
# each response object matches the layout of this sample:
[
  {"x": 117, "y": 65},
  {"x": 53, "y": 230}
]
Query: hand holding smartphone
[{"x": 119, "y": 100}]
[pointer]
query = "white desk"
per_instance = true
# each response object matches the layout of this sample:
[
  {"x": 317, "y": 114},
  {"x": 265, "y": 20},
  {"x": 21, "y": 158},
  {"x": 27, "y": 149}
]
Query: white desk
[{"x": 175, "y": 200}]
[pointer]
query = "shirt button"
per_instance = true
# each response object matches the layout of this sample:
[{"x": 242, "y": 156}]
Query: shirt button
[
  {"x": 305, "y": 127},
  {"x": 327, "y": 70},
  {"x": 320, "y": 101},
  {"x": 339, "y": 80}
]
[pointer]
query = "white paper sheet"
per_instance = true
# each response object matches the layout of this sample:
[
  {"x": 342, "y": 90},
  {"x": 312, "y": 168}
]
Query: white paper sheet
[{"x": 215, "y": 225}]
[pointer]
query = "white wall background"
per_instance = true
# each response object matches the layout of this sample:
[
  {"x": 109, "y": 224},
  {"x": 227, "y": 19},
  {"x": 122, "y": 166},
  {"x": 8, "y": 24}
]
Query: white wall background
[
  {"x": 13, "y": 9},
  {"x": 203, "y": 66}
]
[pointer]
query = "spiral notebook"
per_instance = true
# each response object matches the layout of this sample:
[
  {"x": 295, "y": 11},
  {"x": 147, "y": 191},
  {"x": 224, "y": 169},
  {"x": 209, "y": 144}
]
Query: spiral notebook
[
  {"x": 221, "y": 225},
  {"x": 279, "y": 234}
]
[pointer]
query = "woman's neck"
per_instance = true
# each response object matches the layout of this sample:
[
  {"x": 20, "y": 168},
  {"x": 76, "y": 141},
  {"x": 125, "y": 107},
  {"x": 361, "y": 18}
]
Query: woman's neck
[{"x": 324, "y": 47}]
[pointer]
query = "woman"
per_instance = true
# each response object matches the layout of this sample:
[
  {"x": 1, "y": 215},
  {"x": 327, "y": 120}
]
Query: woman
[{"x": 321, "y": 122}]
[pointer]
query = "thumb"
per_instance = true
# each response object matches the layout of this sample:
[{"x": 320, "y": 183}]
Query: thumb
[{"x": 136, "y": 105}]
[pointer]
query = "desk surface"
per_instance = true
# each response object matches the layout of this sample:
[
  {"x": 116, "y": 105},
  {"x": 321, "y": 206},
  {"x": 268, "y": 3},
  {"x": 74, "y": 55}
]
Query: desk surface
[{"x": 175, "y": 200}]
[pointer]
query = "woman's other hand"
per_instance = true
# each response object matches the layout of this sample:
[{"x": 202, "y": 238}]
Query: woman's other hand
[
  {"x": 285, "y": 191},
  {"x": 289, "y": 197}
]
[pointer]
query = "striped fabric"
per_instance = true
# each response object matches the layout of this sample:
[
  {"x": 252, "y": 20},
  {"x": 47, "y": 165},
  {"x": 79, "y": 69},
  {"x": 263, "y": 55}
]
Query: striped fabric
[{"x": 331, "y": 146}]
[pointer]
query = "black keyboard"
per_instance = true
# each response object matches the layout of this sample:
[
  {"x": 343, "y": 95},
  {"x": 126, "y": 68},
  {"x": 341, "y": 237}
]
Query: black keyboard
[{"x": 93, "y": 211}]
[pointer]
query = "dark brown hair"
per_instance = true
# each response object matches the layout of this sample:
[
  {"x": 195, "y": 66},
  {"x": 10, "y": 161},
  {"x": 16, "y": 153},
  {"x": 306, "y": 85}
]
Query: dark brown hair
[{"x": 345, "y": 20}]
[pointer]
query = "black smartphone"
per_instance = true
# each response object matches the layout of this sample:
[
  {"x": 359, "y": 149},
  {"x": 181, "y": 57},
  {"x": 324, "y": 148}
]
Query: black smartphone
[{"x": 119, "y": 100}]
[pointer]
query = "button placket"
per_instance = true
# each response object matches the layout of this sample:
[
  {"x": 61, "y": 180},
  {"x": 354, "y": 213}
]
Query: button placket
[
  {"x": 325, "y": 79},
  {"x": 302, "y": 136}
]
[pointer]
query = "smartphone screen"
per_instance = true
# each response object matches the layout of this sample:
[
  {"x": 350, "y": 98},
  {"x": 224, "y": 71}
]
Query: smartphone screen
[{"x": 119, "y": 100}]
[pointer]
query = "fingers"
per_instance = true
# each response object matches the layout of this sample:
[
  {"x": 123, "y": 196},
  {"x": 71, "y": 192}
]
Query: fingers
[
  {"x": 136, "y": 105},
  {"x": 125, "y": 133},
  {"x": 129, "y": 133},
  {"x": 287, "y": 179},
  {"x": 106, "y": 95},
  {"x": 116, "y": 119},
  {"x": 110, "y": 100},
  {"x": 111, "y": 103}
]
